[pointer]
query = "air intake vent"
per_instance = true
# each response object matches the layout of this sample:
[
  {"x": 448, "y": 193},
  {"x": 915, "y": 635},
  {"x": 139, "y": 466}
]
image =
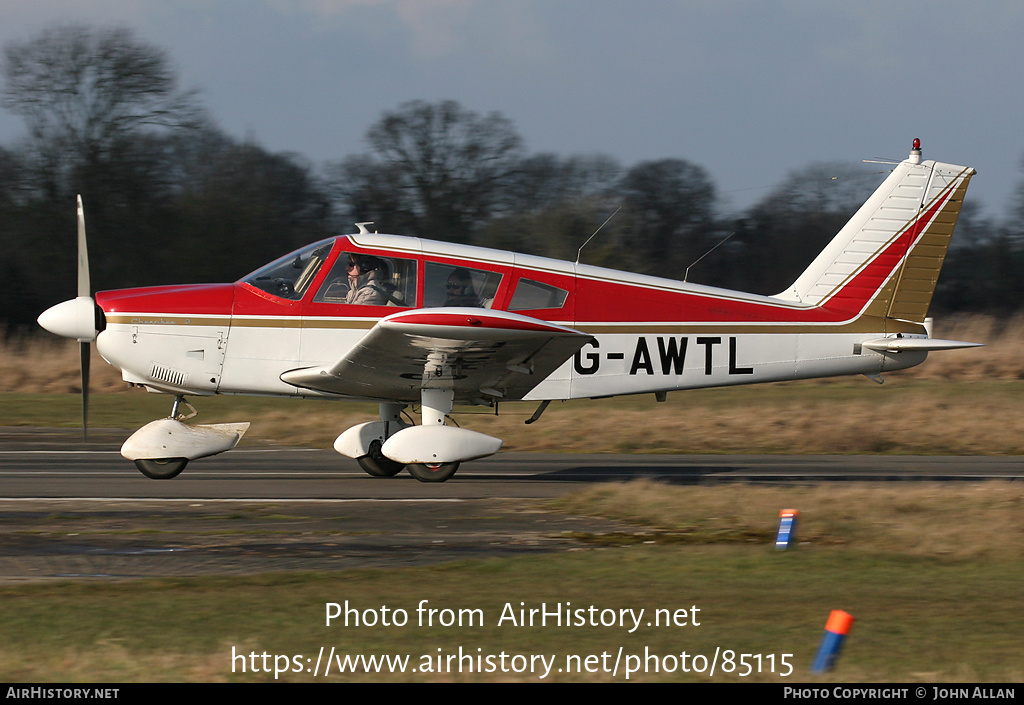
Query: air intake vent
[{"x": 166, "y": 374}]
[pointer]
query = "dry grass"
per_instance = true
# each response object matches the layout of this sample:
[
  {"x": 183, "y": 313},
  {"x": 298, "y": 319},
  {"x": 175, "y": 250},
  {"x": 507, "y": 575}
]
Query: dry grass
[
  {"x": 912, "y": 520},
  {"x": 932, "y": 574},
  {"x": 117, "y": 663},
  {"x": 1001, "y": 358},
  {"x": 784, "y": 423},
  {"x": 46, "y": 364}
]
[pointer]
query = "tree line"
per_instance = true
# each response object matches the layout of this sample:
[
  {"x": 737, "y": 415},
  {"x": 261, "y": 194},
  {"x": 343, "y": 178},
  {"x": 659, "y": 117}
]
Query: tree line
[{"x": 171, "y": 198}]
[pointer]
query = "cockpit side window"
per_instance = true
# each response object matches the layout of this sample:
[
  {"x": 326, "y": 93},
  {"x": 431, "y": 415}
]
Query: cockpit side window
[
  {"x": 370, "y": 280},
  {"x": 451, "y": 285},
  {"x": 290, "y": 276}
]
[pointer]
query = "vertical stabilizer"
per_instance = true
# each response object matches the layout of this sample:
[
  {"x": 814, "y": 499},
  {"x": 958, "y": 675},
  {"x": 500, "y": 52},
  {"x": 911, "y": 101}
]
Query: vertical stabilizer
[{"x": 886, "y": 259}]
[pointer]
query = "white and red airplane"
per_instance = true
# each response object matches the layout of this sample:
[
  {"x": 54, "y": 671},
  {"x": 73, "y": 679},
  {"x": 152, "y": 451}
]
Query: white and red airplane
[{"x": 405, "y": 321}]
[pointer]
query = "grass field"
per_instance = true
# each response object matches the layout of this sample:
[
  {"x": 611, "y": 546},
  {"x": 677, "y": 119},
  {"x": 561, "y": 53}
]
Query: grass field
[
  {"x": 931, "y": 573},
  {"x": 903, "y": 416}
]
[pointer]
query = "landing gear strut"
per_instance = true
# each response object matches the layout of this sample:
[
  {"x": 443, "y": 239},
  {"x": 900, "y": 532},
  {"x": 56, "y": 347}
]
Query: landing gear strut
[
  {"x": 436, "y": 405},
  {"x": 374, "y": 462}
]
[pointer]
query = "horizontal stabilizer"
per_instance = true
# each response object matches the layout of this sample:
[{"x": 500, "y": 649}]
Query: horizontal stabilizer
[{"x": 927, "y": 344}]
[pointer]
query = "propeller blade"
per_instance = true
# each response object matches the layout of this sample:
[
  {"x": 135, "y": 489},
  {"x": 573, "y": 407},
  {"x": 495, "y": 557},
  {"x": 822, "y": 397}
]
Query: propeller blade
[
  {"x": 84, "y": 287},
  {"x": 84, "y": 353}
]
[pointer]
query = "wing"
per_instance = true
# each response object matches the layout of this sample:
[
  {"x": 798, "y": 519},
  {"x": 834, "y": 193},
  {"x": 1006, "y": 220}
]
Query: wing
[{"x": 483, "y": 355}]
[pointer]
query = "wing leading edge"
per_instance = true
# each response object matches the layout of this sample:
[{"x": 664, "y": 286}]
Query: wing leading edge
[{"x": 480, "y": 354}]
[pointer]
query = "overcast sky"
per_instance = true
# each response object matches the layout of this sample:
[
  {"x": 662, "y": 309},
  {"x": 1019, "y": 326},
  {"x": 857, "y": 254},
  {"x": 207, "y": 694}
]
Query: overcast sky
[{"x": 751, "y": 91}]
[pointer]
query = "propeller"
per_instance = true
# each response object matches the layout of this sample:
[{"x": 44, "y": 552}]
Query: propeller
[
  {"x": 77, "y": 318},
  {"x": 84, "y": 291}
]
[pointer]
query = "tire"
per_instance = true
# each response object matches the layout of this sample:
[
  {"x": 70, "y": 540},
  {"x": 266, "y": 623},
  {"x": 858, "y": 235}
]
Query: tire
[
  {"x": 433, "y": 472},
  {"x": 161, "y": 468},
  {"x": 377, "y": 464}
]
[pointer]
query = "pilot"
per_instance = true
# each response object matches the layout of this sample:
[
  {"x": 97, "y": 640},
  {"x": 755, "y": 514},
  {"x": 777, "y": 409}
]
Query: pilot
[
  {"x": 366, "y": 281},
  {"x": 459, "y": 289}
]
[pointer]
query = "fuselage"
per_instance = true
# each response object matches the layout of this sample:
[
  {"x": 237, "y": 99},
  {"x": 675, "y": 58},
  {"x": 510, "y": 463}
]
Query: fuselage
[{"x": 648, "y": 334}]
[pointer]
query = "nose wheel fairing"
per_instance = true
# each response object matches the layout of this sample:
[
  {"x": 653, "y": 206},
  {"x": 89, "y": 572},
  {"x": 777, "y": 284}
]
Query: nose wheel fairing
[{"x": 162, "y": 448}]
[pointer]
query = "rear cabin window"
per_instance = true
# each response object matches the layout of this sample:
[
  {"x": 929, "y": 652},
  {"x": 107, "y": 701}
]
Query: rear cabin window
[
  {"x": 449, "y": 285},
  {"x": 369, "y": 280},
  {"x": 530, "y": 294}
]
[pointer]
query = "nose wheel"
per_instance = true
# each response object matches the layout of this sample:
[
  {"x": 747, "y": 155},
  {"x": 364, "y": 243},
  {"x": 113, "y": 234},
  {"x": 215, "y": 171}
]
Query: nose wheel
[{"x": 161, "y": 468}]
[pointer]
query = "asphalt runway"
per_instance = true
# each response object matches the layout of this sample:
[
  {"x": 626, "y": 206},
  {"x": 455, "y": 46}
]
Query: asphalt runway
[{"x": 74, "y": 509}]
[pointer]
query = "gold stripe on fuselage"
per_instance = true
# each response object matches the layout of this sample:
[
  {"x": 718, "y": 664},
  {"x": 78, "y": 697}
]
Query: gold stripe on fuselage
[{"x": 860, "y": 324}]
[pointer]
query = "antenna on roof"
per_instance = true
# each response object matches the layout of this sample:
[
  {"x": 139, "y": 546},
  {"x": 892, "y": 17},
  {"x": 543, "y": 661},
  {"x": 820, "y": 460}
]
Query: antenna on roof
[
  {"x": 579, "y": 253},
  {"x": 362, "y": 227},
  {"x": 719, "y": 244}
]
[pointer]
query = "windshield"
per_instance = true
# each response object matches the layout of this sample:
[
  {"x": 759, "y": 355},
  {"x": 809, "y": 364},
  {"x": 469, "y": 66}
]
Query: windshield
[{"x": 290, "y": 276}]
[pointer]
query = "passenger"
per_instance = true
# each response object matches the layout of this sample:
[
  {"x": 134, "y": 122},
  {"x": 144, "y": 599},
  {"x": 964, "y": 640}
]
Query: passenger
[
  {"x": 459, "y": 289},
  {"x": 365, "y": 281}
]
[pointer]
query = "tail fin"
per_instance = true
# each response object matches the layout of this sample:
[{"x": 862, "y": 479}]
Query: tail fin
[{"x": 886, "y": 260}]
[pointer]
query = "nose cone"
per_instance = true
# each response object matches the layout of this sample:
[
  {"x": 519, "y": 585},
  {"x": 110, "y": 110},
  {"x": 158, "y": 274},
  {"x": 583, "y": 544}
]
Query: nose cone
[{"x": 75, "y": 318}]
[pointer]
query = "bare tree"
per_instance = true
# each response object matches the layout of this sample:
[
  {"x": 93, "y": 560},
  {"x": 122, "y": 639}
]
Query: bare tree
[
  {"x": 545, "y": 180},
  {"x": 670, "y": 207},
  {"x": 448, "y": 164},
  {"x": 83, "y": 90}
]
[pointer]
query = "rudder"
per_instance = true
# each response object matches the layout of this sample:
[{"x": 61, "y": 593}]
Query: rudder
[{"x": 886, "y": 260}]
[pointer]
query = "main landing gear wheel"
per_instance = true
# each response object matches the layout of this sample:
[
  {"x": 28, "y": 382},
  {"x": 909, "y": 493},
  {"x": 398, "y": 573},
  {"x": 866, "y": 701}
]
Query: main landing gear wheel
[
  {"x": 377, "y": 464},
  {"x": 433, "y": 472},
  {"x": 161, "y": 468}
]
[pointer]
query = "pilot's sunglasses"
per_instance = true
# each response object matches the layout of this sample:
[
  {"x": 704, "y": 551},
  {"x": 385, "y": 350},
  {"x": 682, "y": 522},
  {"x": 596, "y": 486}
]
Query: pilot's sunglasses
[{"x": 454, "y": 285}]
